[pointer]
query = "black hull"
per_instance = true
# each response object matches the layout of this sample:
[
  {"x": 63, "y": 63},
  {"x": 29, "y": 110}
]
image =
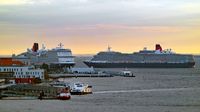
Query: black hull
[
  {"x": 62, "y": 65},
  {"x": 140, "y": 65}
]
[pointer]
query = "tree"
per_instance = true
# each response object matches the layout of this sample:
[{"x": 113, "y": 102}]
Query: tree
[
  {"x": 45, "y": 67},
  {"x": 46, "y": 70}
]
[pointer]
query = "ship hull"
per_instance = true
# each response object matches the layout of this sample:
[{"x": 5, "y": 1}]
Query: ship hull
[
  {"x": 62, "y": 65},
  {"x": 140, "y": 65}
]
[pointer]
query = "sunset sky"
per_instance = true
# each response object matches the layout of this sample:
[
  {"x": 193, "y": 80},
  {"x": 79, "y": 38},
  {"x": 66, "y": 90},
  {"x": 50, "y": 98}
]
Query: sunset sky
[{"x": 89, "y": 26}]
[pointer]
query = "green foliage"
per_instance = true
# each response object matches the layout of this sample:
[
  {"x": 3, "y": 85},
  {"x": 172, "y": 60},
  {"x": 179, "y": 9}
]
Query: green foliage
[{"x": 45, "y": 67}]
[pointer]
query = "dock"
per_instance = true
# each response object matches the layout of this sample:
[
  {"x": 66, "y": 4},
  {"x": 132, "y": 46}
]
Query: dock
[
  {"x": 28, "y": 91},
  {"x": 78, "y": 75}
]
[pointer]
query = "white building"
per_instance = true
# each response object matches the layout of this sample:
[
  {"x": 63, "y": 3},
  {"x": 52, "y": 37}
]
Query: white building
[
  {"x": 82, "y": 70},
  {"x": 23, "y": 71}
]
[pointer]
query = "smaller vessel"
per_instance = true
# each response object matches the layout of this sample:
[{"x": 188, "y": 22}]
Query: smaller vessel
[
  {"x": 127, "y": 73},
  {"x": 80, "y": 89},
  {"x": 64, "y": 94}
]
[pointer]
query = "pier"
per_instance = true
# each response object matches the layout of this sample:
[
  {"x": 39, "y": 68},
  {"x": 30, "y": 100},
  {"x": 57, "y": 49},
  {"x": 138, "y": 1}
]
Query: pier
[
  {"x": 78, "y": 75},
  {"x": 29, "y": 90}
]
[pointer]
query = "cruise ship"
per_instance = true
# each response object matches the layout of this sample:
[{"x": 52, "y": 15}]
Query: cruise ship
[
  {"x": 56, "y": 57},
  {"x": 157, "y": 58}
]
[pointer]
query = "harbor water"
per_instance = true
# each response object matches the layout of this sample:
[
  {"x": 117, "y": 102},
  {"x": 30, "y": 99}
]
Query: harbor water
[{"x": 152, "y": 90}]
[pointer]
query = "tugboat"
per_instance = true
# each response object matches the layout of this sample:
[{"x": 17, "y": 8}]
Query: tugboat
[
  {"x": 64, "y": 94},
  {"x": 81, "y": 88},
  {"x": 127, "y": 73}
]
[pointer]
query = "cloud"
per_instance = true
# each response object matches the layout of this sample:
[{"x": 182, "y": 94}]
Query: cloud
[
  {"x": 90, "y": 12},
  {"x": 12, "y": 2},
  {"x": 110, "y": 20},
  {"x": 111, "y": 15},
  {"x": 114, "y": 27}
]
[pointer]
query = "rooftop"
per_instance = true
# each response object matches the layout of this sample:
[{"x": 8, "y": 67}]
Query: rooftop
[{"x": 10, "y": 62}]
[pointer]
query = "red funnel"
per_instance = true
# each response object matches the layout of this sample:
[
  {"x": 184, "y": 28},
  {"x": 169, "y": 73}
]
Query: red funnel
[
  {"x": 158, "y": 47},
  {"x": 35, "y": 47}
]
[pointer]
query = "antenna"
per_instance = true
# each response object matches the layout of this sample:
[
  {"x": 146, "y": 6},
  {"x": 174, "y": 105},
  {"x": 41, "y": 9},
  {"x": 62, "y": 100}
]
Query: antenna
[
  {"x": 109, "y": 48},
  {"x": 60, "y": 45},
  {"x": 43, "y": 47}
]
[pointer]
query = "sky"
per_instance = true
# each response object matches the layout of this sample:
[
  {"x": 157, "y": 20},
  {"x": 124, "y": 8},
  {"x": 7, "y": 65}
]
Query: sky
[{"x": 89, "y": 26}]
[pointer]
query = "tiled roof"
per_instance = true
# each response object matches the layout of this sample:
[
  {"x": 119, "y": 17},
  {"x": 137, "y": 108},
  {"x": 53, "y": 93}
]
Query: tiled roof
[{"x": 10, "y": 62}]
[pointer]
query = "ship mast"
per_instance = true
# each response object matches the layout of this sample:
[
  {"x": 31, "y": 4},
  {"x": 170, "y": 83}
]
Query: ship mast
[
  {"x": 109, "y": 48},
  {"x": 60, "y": 45}
]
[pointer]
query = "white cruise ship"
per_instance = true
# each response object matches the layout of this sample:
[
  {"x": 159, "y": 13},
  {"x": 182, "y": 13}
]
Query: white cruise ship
[{"x": 56, "y": 57}]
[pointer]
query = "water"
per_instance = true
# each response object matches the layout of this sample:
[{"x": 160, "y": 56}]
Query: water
[{"x": 152, "y": 90}]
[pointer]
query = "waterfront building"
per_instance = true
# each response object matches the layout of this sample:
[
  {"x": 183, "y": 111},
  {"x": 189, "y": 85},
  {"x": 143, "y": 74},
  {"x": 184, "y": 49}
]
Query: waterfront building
[
  {"x": 19, "y": 71},
  {"x": 23, "y": 71}
]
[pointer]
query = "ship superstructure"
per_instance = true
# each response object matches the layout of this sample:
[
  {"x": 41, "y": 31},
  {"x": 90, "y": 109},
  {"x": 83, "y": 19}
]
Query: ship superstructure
[
  {"x": 157, "y": 58},
  {"x": 56, "y": 57}
]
